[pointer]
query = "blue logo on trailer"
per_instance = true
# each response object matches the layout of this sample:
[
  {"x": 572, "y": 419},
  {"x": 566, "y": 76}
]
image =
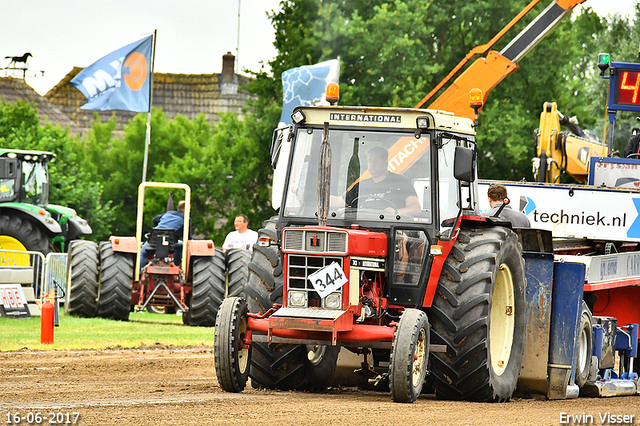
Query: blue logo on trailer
[{"x": 634, "y": 229}]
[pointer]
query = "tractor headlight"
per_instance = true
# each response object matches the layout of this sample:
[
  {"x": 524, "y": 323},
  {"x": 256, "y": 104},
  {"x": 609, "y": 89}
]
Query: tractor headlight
[
  {"x": 333, "y": 301},
  {"x": 297, "y": 299}
]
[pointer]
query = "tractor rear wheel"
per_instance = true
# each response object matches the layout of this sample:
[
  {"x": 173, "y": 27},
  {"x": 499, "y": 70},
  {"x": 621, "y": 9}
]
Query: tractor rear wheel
[
  {"x": 206, "y": 295},
  {"x": 479, "y": 313},
  {"x": 232, "y": 360},
  {"x": 584, "y": 346},
  {"x": 116, "y": 281},
  {"x": 82, "y": 279},
  {"x": 273, "y": 365},
  {"x": 238, "y": 271},
  {"x": 320, "y": 364},
  {"x": 17, "y": 233},
  {"x": 409, "y": 356}
]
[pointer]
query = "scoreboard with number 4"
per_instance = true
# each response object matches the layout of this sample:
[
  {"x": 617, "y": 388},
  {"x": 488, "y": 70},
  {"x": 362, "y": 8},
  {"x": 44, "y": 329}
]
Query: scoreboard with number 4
[{"x": 624, "y": 87}]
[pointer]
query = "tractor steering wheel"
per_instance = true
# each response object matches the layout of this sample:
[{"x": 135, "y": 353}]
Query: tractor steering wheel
[{"x": 372, "y": 199}]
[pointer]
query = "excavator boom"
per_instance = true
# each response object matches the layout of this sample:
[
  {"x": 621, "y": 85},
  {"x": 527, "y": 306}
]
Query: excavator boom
[{"x": 486, "y": 72}]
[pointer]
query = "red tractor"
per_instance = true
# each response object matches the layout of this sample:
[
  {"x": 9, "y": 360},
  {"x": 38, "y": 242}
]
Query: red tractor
[
  {"x": 418, "y": 285},
  {"x": 107, "y": 280}
]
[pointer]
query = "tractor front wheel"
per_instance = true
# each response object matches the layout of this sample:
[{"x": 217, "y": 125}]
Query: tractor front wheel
[
  {"x": 116, "y": 281},
  {"x": 479, "y": 313},
  {"x": 409, "y": 356},
  {"x": 231, "y": 358},
  {"x": 82, "y": 279}
]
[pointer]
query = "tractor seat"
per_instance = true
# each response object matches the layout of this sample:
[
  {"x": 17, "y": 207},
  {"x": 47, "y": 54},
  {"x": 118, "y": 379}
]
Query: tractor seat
[{"x": 162, "y": 242}]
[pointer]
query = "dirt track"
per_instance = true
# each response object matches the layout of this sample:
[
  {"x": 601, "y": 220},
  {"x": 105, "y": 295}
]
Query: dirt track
[{"x": 178, "y": 386}]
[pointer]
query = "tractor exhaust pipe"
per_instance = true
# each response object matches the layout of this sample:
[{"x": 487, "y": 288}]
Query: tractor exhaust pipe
[{"x": 324, "y": 177}]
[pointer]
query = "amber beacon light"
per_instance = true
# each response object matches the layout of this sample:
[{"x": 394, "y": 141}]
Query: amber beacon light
[
  {"x": 476, "y": 102},
  {"x": 333, "y": 93}
]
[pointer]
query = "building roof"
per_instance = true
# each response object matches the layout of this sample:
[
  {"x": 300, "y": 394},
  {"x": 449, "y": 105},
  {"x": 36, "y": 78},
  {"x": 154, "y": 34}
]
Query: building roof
[
  {"x": 12, "y": 89},
  {"x": 176, "y": 94}
]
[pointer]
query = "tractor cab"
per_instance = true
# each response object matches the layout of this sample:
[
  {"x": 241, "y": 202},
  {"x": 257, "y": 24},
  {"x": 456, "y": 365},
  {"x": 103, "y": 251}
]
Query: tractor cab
[
  {"x": 24, "y": 193},
  {"x": 24, "y": 176},
  {"x": 391, "y": 171}
]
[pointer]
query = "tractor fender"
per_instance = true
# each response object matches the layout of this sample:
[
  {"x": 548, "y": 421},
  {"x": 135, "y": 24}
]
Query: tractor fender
[
  {"x": 73, "y": 226},
  {"x": 124, "y": 244},
  {"x": 77, "y": 227},
  {"x": 197, "y": 248},
  {"x": 447, "y": 245},
  {"x": 49, "y": 225}
]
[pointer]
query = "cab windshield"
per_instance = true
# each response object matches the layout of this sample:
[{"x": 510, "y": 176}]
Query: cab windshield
[
  {"x": 375, "y": 175},
  {"x": 35, "y": 183}
]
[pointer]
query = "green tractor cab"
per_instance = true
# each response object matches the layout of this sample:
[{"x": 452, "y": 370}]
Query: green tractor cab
[{"x": 27, "y": 221}]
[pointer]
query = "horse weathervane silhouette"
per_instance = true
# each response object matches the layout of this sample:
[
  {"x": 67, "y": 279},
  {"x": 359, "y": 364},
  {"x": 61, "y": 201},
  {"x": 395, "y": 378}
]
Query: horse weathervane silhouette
[
  {"x": 18, "y": 59},
  {"x": 15, "y": 60}
]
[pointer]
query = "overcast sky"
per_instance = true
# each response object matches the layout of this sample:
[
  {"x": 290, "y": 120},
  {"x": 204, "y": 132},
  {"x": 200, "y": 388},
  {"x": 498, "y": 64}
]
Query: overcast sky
[{"x": 192, "y": 34}]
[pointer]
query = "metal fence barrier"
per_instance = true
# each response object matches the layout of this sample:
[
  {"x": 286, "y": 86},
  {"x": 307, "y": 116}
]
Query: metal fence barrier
[{"x": 48, "y": 273}]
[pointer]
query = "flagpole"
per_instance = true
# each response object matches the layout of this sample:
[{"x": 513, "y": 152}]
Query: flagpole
[{"x": 147, "y": 141}]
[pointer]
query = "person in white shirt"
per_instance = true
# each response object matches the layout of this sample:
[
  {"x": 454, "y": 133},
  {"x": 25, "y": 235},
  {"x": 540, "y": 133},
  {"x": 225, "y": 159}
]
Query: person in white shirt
[{"x": 242, "y": 237}]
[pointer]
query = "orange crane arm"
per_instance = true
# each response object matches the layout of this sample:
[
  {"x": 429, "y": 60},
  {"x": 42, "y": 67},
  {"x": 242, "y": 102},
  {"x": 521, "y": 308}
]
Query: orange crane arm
[{"x": 486, "y": 73}]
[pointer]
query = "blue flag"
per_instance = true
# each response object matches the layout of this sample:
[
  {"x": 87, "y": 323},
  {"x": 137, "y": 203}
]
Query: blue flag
[
  {"x": 119, "y": 80},
  {"x": 307, "y": 86}
]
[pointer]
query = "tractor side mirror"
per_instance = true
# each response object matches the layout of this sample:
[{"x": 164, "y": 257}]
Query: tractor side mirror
[
  {"x": 8, "y": 168},
  {"x": 276, "y": 142},
  {"x": 464, "y": 164}
]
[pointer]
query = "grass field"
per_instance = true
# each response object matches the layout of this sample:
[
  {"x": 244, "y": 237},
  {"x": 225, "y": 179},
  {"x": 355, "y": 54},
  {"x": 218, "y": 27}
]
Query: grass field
[{"x": 142, "y": 329}]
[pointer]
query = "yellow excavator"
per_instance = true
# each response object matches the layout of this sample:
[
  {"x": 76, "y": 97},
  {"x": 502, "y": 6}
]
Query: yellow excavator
[{"x": 563, "y": 151}]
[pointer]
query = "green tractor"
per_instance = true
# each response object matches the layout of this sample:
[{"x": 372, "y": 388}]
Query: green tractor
[{"x": 27, "y": 221}]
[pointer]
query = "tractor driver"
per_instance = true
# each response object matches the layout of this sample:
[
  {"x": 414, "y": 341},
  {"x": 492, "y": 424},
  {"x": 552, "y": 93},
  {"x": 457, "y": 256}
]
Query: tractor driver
[
  {"x": 172, "y": 220},
  {"x": 384, "y": 190}
]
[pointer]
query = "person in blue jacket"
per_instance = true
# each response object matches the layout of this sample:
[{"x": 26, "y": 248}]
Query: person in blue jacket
[{"x": 172, "y": 220}]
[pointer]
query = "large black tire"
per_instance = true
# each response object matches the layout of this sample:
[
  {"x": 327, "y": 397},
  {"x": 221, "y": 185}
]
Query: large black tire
[
  {"x": 479, "y": 313},
  {"x": 584, "y": 346},
  {"x": 26, "y": 232},
  {"x": 116, "y": 281},
  {"x": 409, "y": 356},
  {"x": 273, "y": 365},
  {"x": 231, "y": 359},
  {"x": 237, "y": 271},
  {"x": 320, "y": 364},
  {"x": 278, "y": 366},
  {"x": 208, "y": 291},
  {"x": 82, "y": 280},
  {"x": 264, "y": 287}
]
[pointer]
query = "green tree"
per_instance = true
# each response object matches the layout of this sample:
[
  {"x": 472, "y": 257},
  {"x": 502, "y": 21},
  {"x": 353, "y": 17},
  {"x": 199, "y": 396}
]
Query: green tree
[
  {"x": 393, "y": 53},
  {"x": 72, "y": 183}
]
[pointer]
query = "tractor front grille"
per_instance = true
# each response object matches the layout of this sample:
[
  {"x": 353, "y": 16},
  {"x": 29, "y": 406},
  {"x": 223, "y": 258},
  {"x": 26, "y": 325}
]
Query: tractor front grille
[{"x": 299, "y": 267}]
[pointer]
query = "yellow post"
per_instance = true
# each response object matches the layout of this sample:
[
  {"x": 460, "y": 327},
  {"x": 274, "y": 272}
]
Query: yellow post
[{"x": 187, "y": 213}]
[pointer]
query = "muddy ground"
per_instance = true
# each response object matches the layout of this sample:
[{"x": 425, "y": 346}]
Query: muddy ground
[{"x": 178, "y": 386}]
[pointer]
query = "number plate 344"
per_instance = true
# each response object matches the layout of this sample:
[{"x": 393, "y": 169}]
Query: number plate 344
[{"x": 328, "y": 279}]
